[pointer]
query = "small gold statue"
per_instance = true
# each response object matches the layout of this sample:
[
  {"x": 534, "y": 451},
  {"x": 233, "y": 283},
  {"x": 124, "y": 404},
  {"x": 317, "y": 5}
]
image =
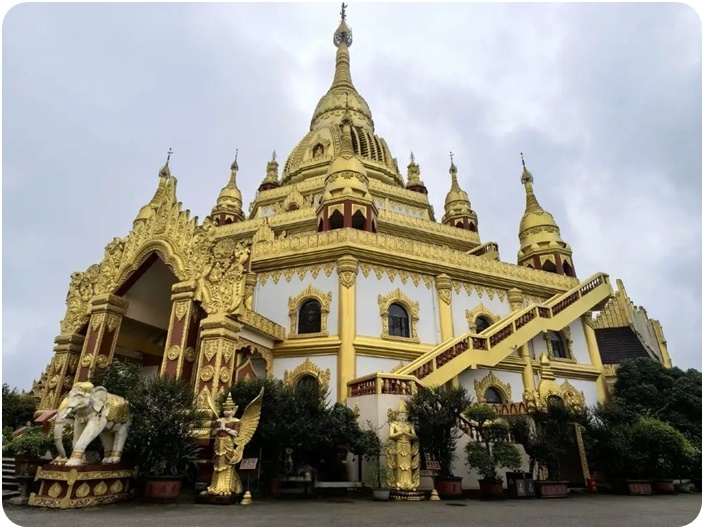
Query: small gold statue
[
  {"x": 402, "y": 454},
  {"x": 231, "y": 436}
]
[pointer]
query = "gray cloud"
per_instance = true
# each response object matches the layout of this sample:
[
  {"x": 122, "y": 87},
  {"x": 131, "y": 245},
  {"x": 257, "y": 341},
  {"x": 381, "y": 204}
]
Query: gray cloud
[{"x": 605, "y": 100}]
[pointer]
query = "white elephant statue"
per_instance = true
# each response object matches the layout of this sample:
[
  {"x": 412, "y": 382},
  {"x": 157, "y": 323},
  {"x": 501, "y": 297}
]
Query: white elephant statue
[{"x": 92, "y": 411}]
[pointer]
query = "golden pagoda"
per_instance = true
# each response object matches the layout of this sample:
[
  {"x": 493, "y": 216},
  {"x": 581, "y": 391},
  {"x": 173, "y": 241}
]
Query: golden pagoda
[{"x": 340, "y": 274}]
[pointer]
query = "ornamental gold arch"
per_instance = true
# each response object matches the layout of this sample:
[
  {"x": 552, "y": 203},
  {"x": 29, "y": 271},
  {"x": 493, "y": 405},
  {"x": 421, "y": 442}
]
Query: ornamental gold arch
[
  {"x": 411, "y": 307},
  {"x": 190, "y": 251},
  {"x": 492, "y": 381},
  {"x": 308, "y": 368},
  {"x": 480, "y": 310},
  {"x": 294, "y": 307}
]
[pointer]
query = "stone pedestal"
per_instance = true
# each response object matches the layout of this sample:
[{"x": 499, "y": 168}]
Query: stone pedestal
[
  {"x": 62, "y": 487},
  {"x": 407, "y": 495}
]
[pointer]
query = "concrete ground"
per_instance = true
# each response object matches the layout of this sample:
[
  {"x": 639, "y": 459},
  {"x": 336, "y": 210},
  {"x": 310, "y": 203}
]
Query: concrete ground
[{"x": 581, "y": 510}]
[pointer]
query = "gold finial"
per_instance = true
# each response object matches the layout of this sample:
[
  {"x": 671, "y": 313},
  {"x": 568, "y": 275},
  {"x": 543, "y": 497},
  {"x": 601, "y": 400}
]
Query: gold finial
[
  {"x": 342, "y": 12},
  {"x": 526, "y": 177},
  {"x": 413, "y": 158},
  {"x": 273, "y": 156},
  {"x": 168, "y": 156},
  {"x": 235, "y": 166}
]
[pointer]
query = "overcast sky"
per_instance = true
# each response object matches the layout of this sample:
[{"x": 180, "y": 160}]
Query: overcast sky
[{"x": 603, "y": 99}]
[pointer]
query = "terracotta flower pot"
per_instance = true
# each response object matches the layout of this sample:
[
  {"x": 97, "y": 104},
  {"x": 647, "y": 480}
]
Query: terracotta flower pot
[
  {"x": 636, "y": 487},
  {"x": 551, "y": 489},
  {"x": 161, "y": 488},
  {"x": 663, "y": 486},
  {"x": 491, "y": 489},
  {"x": 448, "y": 487}
]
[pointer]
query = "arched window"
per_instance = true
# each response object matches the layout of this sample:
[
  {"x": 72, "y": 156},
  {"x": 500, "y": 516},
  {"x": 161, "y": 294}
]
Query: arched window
[
  {"x": 398, "y": 321},
  {"x": 459, "y": 224},
  {"x": 472, "y": 227},
  {"x": 569, "y": 271},
  {"x": 292, "y": 207},
  {"x": 309, "y": 317},
  {"x": 308, "y": 381},
  {"x": 557, "y": 344},
  {"x": 336, "y": 220},
  {"x": 482, "y": 323},
  {"x": 492, "y": 396},
  {"x": 549, "y": 266},
  {"x": 358, "y": 221}
]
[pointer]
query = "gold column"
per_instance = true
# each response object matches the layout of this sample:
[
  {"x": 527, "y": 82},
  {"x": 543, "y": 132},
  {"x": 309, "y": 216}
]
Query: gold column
[
  {"x": 216, "y": 356},
  {"x": 443, "y": 286},
  {"x": 515, "y": 301},
  {"x": 347, "y": 269},
  {"x": 602, "y": 389},
  {"x": 250, "y": 282},
  {"x": 67, "y": 352},
  {"x": 103, "y": 329},
  {"x": 179, "y": 351}
]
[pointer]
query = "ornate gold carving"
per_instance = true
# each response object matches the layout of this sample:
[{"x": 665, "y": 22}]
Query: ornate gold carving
[
  {"x": 180, "y": 309},
  {"x": 87, "y": 360},
  {"x": 116, "y": 487},
  {"x": 328, "y": 268},
  {"x": 100, "y": 489},
  {"x": 207, "y": 373},
  {"x": 189, "y": 354},
  {"x": 265, "y": 325},
  {"x": 415, "y": 277},
  {"x": 428, "y": 280},
  {"x": 366, "y": 268},
  {"x": 210, "y": 348},
  {"x": 173, "y": 352},
  {"x": 220, "y": 287},
  {"x": 112, "y": 321},
  {"x": 443, "y": 284},
  {"x": 411, "y": 307},
  {"x": 288, "y": 274},
  {"x": 347, "y": 269},
  {"x": 294, "y": 307},
  {"x": 301, "y": 272},
  {"x": 308, "y": 368},
  {"x": 102, "y": 361},
  {"x": 224, "y": 375},
  {"x": 55, "y": 490},
  {"x": 82, "y": 491},
  {"x": 480, "y": 310},
  {"x": 492, "y": 381}
]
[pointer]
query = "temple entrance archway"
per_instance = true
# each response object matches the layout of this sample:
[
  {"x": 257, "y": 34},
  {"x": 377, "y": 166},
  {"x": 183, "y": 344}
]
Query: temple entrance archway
[{"x": 145, "y": 325}]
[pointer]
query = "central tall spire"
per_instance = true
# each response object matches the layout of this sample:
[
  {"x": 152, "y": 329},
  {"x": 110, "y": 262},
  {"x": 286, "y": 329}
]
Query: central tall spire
[{"x": 342, "y": 92}]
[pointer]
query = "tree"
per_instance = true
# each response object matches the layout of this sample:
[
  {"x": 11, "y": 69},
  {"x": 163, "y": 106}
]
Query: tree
[
  {"x": 434, "y": 413},
  {"x": 646, "y": 388},
  {"x": 492, "y": 450},
  {"x": 17, "y": 407}
]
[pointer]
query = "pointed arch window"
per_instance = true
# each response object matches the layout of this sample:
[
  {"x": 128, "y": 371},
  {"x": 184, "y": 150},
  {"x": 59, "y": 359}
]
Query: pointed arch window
[
  {"x": 398, "y": 321},
  {"x": 557, "y": 344},
  {"x": 309, "y": 317},
  {"x": 493, "y": 396},
  {"x": 337, "y": 220},
  {"x": 482, "y": 323}
]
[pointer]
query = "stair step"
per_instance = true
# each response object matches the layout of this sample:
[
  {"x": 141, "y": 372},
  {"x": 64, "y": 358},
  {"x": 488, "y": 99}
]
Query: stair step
[{"x": 7, "y": 494}]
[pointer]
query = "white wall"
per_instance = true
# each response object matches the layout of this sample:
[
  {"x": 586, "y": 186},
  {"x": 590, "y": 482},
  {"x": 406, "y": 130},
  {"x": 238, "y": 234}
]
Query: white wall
[
  {"x": 579, "y": 342},
  {"x": 271, "y": 299},
  {"x": 370, "y": 364},
  {"x": 587, "y": 386},
  {"x": 461, "y": 302},
  {"x": 369, "y": 316}
]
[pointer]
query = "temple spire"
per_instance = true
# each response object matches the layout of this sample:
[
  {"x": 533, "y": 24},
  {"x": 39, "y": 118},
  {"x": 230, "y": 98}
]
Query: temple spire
[
  {"x": 342, "y": 39},
  {"x": 532, "y": 204},
  {"x": 228, "y": 208}
]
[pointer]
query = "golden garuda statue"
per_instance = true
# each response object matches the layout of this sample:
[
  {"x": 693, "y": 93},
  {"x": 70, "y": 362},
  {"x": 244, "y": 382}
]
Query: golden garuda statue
[
  {"x": 231, "y": 436},
  {"x": 402, "y": 453}
]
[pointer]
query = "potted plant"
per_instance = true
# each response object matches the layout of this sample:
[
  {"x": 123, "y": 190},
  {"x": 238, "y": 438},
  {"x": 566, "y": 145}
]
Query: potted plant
[
  {"x": 377, "y": 476},
  {"x": 161, "y": 439},
  {"x": 660, "y": 449},
  {"x": 610, "y": 449},
  {"x": 490, "y": 451},
  {"x": 30, "y": 450},
  {"x": 435, "y": 413},
  {"x": 549, "y": 444}
]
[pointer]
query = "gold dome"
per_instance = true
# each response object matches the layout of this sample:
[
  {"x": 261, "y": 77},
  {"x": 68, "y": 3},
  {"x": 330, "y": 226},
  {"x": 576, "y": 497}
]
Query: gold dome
[
  {"x": 321, "y": 145},
  {"x": 538, "y": 233},
  {"x": 457, "y": 200},
  {"x": 230, "y": 197}
]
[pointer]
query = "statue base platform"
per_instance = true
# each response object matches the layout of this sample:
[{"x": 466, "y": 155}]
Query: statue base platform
[
  {"x": 62, "y": 487},
  {"x": 213, "y": 499},
  {"x": 407, "y": 495}
]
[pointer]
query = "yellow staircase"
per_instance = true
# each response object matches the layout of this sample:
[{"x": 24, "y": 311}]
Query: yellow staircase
[{"x": 495, "y": 343}]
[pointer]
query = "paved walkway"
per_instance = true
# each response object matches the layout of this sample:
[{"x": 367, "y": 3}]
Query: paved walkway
[{"x": 583, "y": 510}]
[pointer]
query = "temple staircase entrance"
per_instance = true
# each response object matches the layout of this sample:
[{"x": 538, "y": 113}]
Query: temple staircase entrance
[{"x": 439, "y": 365}]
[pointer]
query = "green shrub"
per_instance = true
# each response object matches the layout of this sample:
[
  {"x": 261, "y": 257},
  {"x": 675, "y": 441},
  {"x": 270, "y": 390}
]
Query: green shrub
[{"x": 492, "y": 450}]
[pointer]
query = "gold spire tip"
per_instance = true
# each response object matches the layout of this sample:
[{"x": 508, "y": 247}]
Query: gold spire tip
[
  {"x": 273, "y": 156},
  {"x": 343, "y": 15},
  {"x": 168, "y": 156},
  {"x": 413, "y": 158}
]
